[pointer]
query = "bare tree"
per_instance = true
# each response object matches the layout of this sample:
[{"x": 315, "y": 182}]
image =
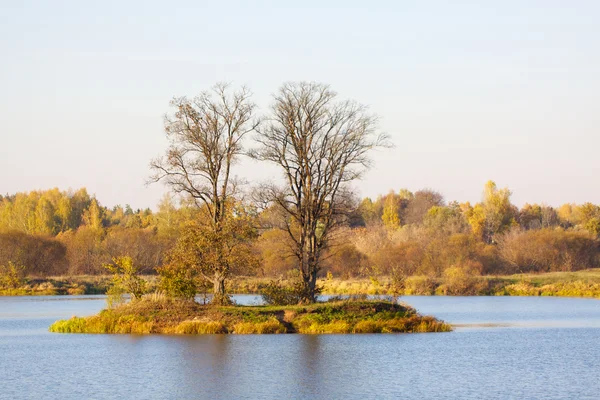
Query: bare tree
[
  {"x": 205, "y": 137},
  {"x": 420, "y": 203},
  {"x": 322, "y": 145}
]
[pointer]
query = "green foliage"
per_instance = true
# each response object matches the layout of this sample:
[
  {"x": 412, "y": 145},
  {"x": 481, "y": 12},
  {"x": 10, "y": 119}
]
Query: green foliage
[
  {"x": 115, "y": 296},
  {"x": 367, "y": 211},
  {"x": 280, "y": 293},
  {"x": 73, "y": 325},
  {"x": 447, "y": 220},
  {"x": 104, "y": 323},
  {"x": 178, "y": 281},
  {"x": 592, "y": 225},
  {"x": 276, "y": 293},
  {"x": 126, "y": 279}
]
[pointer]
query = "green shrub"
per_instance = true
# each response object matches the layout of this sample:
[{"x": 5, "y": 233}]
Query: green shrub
[
  {"x": 178, "y": 282},
  {"x": 73, "y": 325},
  {"x": 126, "y": 279},
  {"x": 280, "y": 294}
]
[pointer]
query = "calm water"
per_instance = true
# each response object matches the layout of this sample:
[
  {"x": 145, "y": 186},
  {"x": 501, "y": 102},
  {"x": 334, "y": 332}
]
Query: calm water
[{"x": 506, "y": 348}]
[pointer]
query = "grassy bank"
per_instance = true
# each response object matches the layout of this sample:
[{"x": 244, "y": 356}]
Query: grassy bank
[
  {"x": 75, "y": 285},
  {"x": 568, "y": 284},
  {"x": 177, "y": 317},
  {"x": 65, "y": 285}
]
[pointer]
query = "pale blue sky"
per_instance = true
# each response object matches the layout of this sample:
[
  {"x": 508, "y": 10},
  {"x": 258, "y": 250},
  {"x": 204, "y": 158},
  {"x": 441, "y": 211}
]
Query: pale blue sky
[{"x": 468, "y": 90}]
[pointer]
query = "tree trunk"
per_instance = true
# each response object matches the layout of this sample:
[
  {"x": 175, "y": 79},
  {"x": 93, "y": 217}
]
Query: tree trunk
[
  {"x": 219, "y": 296},
  {"x": 309, "y": 282}
]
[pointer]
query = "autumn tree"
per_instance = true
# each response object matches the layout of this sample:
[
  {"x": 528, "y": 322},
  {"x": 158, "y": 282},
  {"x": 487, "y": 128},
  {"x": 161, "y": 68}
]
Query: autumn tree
[
  {"x": 85, "y": 252},
  {"x": 205, "y": 139},
  {"x": 367, "y": 212},
  {"x": 530, "y": 216},
  {"x": 126, "y": 279},
  {"x": 420, "y": 203},
  {"x": 446, "y": 220},
  {"x": 589, "y": 218},
  {"x": 46, "y": 212},
  {"x": 143, "y": 245},
  {"x": 321, "y": 144},
  {"x": 203, "y": 253},
  {"x": 391, "y": 208},
  {"x": 547, "y": 250},
  {"x": 494, "y": 215},
  {"x": 40, "y": 255},
  {"x": 274, "y": 248}
]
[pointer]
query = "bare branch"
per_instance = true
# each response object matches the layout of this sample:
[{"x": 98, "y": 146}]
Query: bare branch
[
  {"x": 321, "y": 145},
  {"x": 205, "y": 138}
]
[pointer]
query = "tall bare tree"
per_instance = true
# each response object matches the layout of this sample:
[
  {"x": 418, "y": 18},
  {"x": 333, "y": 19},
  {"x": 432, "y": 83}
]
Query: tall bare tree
[
  {"x": 205, "y": 139},
  {"x": 322, "y": 145}
]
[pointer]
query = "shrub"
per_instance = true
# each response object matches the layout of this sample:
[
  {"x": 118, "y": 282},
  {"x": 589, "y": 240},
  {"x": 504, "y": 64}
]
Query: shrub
[
  {"x": 462, "y": 281},
  {"x": 279, "y": 293},
  {"x": 548, "y": 250},
  {"x": 419, "y": 285},
  {"x": 11, "y": 276},
  {"x": 125, "y": 279},
  {"x": 73, "y": 325},
  {"x": 178, "y": 282}
]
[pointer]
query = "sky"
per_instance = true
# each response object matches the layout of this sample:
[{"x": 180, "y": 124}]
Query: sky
[{"x": 468, "y": 90}]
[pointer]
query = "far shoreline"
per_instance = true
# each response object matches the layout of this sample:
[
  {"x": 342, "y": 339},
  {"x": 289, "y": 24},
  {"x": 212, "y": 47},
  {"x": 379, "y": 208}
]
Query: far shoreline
[{"x": 584, "y": 283}]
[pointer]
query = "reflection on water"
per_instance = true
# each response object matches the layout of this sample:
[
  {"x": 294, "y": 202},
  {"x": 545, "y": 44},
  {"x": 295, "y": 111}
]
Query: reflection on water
[{"x": 504, "y": 348}]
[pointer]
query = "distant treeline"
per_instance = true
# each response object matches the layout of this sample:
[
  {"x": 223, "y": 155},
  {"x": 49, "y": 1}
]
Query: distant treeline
[{"x": 55, "y": 232}]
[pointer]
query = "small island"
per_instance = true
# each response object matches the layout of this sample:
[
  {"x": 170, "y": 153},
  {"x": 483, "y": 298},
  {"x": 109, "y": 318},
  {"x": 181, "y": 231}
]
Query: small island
[{"x": 168, "y": 316}]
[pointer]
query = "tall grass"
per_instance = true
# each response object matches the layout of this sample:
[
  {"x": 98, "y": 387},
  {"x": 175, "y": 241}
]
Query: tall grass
[
  {"x": 270, "y": 326},
  {"x": 200, "y": 328}
]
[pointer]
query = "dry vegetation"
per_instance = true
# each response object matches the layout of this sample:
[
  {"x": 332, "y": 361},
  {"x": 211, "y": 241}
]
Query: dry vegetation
[{"x": 584, "y": 283}]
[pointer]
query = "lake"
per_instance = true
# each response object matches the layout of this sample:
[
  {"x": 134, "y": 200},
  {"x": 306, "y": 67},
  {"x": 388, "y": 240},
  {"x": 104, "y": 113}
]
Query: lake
[{"x": 503, "y": 348}]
